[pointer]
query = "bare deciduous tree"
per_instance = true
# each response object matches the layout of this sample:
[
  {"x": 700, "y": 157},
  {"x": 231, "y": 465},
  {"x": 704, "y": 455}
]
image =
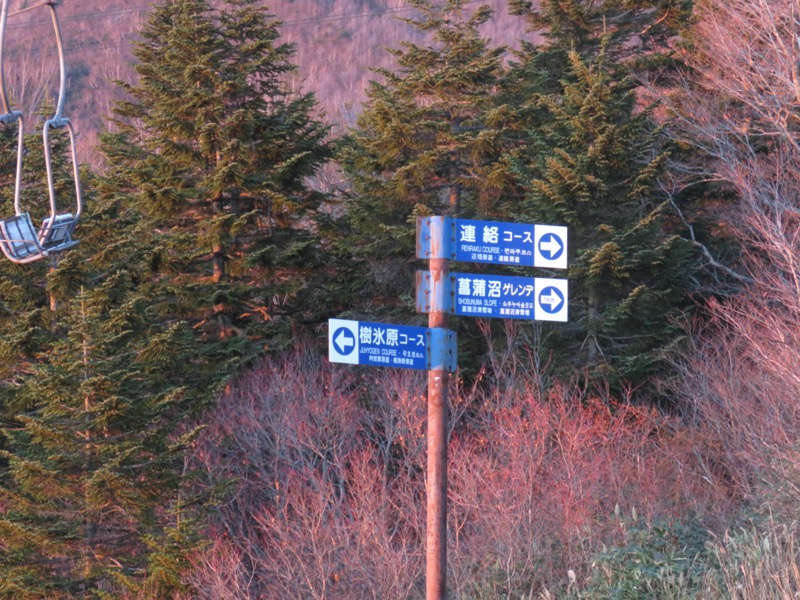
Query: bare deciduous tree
[{"x": 740, "y": 104}]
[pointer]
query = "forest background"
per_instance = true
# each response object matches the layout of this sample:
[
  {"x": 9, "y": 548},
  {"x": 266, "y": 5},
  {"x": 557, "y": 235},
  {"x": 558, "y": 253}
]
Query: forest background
[{"x": 170, "y": 426}]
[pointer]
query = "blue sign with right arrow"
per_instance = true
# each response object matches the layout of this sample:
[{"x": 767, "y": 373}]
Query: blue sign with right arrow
[
  {"x": 494, "y": 296},
  {"x": 550, "y": 246},
  {"x": 551, "y": 300},
  {"x": 496, "y": 242}
]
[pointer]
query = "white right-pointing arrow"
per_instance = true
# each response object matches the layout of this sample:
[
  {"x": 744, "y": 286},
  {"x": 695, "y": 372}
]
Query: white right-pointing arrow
[
  {"x": 552, "y": 300},
  {"x": 343, "y": 341},
  {"x": 552, "y": 247}
]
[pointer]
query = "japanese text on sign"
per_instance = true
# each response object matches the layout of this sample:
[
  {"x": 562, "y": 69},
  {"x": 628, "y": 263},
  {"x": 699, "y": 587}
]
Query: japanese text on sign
[
  {"x": 484, "y": 241},
  {"x": 390, "y": 346},
  {"x": 494, "y": 296}
]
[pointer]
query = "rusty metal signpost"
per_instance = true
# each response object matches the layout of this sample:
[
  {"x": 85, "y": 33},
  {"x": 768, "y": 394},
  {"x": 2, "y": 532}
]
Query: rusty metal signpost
[
  {"x": 433, "y": 245},
  {"x": 441, "y": 293}
]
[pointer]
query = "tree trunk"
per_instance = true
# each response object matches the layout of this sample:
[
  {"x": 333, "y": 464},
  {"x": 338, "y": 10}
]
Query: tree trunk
[
  {"x": 592, "y": 324},
  {"x": 52, "y": 299},
  {"x": 89, "y": 524},
  {"x": 218, "y": 262}
]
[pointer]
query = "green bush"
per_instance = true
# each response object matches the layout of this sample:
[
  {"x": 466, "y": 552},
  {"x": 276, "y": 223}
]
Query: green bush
[{"x": 659, "y": 560}]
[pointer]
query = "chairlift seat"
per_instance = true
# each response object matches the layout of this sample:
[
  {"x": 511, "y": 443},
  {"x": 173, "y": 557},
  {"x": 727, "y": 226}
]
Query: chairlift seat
[
  {"x": 18, "y": 239},
  {"x": 56, "y": 235}
]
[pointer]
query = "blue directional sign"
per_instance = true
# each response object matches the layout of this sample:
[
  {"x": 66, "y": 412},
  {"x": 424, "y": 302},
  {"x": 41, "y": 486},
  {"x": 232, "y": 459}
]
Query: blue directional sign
[
  {"x": 494, "y": 296},
  {"x": 550, "y": 246},
  {"x": 495, "y": 242},
  {"x": 344, "y": 342},
  {"x": 497, "y": 296},
  {"x": 386, "y": 345},
  {"x": 551, "y": 300}
]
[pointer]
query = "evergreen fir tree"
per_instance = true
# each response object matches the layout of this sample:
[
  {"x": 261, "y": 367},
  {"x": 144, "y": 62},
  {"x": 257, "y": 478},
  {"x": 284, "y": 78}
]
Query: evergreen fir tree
[
  {"x": 213, "y": 150},
  {"x": 94, "y": 475},
  {"x": 628, "y": 29},
  {"x": 426, "y": 143},
  {"x": 30, "y": 293},
  {"x": 201, "y": 218},
  {"x": 589, "y": 157}
]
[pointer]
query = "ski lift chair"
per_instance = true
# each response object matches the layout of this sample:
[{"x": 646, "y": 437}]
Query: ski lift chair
[{"x": 19, "y": 240}]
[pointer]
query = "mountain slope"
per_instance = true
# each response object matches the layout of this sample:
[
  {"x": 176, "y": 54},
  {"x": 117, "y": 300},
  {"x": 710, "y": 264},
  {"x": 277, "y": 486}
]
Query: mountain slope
[{"x": 337, "y": 43}]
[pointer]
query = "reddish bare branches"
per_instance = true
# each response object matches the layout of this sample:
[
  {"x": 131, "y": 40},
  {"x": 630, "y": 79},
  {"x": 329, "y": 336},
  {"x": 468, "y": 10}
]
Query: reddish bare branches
[
  {"x": 740, "y": 104},
  {"x": 327, "y": 498}
]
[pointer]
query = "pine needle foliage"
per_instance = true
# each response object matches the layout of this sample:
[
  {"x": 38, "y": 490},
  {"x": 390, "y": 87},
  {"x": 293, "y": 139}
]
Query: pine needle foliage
[
  {"x": 634, "y": 30},
  {"x": 31, "y": 294},
  {"x": 425, "y": 144},
  {"x": 590, "y": 158},
  {"x": 212, "y": 149},
  {"x": 192, "y": 260},
  {"x": 94, "y": 470}
]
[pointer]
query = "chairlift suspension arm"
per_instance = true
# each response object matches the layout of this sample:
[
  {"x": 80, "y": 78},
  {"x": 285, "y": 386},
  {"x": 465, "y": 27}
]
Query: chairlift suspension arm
[
  {"x": 58, "y": 121},
  {"x": 8, "y": 115},
  {"x": 32, "y": 7},
  {"x": 62, "y": 64},
  {"x": 3, "y": 93}
]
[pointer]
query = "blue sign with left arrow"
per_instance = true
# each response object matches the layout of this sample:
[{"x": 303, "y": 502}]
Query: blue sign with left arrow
[
  {"x": 386, "y": 345},
  {"x": 344, "y": 341}
]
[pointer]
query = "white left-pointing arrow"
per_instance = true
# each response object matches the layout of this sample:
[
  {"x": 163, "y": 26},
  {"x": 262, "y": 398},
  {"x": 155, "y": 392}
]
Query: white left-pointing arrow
[{"x": 344, "y": 341}]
